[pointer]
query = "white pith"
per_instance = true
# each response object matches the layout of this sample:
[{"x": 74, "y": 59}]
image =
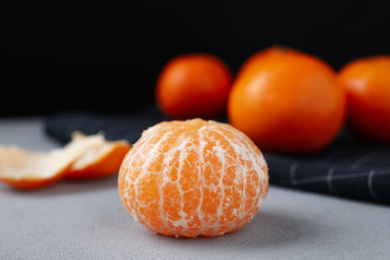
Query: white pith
[{"x": 243, "y": 149}]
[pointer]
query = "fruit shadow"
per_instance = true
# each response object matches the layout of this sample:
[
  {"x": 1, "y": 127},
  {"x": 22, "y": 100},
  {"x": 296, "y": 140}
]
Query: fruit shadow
[
  {"x": 266, "y": 230},
  {"x": 68, "y": 187}
]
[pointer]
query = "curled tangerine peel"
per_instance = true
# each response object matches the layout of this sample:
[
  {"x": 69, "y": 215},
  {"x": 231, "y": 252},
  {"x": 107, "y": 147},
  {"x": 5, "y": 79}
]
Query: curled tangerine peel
[
  {"x": 99, "y": 161},
  {"x": 84, "y": 157},
  {"x": 31, "y": 170},
  {"x": 193, "y": 178}
]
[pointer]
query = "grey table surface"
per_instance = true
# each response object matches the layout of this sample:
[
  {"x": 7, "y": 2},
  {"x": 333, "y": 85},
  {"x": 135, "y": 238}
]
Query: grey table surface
[{"x": 86, "y": 220}]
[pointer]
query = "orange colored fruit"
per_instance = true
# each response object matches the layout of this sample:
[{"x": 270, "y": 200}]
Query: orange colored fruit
[
  {"x": 250, "y": 66},
  {"x": 367, "y": 82},
  {"x": 193, "y": 85},
  {"x": 287, "y": 101},
  {"x": 84, "y": 157},
  {"x": 193, "y": 178}
]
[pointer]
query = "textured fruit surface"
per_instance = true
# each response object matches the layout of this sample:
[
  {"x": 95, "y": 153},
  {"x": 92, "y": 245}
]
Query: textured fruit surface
[
  {"x": 367, "y": 82},
  {"x": 193, "y": 85},
  {"x": 193, "y": 178},
  {"x": 287, "y": 101}
]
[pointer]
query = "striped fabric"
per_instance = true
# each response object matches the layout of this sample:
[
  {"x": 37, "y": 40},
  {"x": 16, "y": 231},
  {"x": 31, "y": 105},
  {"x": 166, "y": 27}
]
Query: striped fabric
[{"x": 348, "y": 168}]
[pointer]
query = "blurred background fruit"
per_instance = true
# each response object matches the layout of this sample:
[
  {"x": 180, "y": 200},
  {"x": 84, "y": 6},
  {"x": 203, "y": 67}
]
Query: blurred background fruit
[
  {"x": 194, "y": 85},
  {"x": 367, "y": 83},
  {"x": 287, "y": 101},
  {"x": 70, "y": 50}
]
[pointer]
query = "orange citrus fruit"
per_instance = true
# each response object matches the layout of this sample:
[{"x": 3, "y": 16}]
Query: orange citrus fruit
[
  {"x": 287, "y": 101},
  {"x": 193, "y": 178},
  {"x": 85, "y": 157},
  {"x": 250, "y": 65},
  {"x": 193, "y": 85},
  {"x": 367, "y": 82}
]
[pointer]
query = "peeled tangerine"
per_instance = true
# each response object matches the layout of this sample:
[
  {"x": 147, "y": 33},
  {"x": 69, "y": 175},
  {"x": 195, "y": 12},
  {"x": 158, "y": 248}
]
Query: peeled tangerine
[
  {"x": 85, "y": 157},
  {"x": 193, "y": 178}
]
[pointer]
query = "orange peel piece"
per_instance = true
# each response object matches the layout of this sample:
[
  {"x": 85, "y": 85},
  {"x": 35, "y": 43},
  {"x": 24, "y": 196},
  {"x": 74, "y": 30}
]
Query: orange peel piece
[
  {"x": 85, "y": 157},
  {"x": 102, "y": 161},
  {"x": 31, "y": 170}
]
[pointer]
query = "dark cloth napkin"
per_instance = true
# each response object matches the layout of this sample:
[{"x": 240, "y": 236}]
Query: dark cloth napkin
[{"x": 348, "y": 168}]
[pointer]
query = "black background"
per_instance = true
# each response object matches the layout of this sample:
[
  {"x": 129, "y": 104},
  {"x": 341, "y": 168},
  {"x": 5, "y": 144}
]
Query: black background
[{"x": 106, "y": 55}]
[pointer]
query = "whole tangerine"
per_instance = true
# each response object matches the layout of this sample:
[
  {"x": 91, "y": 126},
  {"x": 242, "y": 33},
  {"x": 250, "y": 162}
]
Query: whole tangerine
[
  {"x": 193, "y": 85},
  {"x": 193, "y": 178},
  {"x": 367, "y": 82},
  {"x": 287, "y": 101}
]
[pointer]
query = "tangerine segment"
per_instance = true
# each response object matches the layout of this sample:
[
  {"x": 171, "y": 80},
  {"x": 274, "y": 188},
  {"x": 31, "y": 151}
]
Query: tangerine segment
[{"x": 193, "y": 178}]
